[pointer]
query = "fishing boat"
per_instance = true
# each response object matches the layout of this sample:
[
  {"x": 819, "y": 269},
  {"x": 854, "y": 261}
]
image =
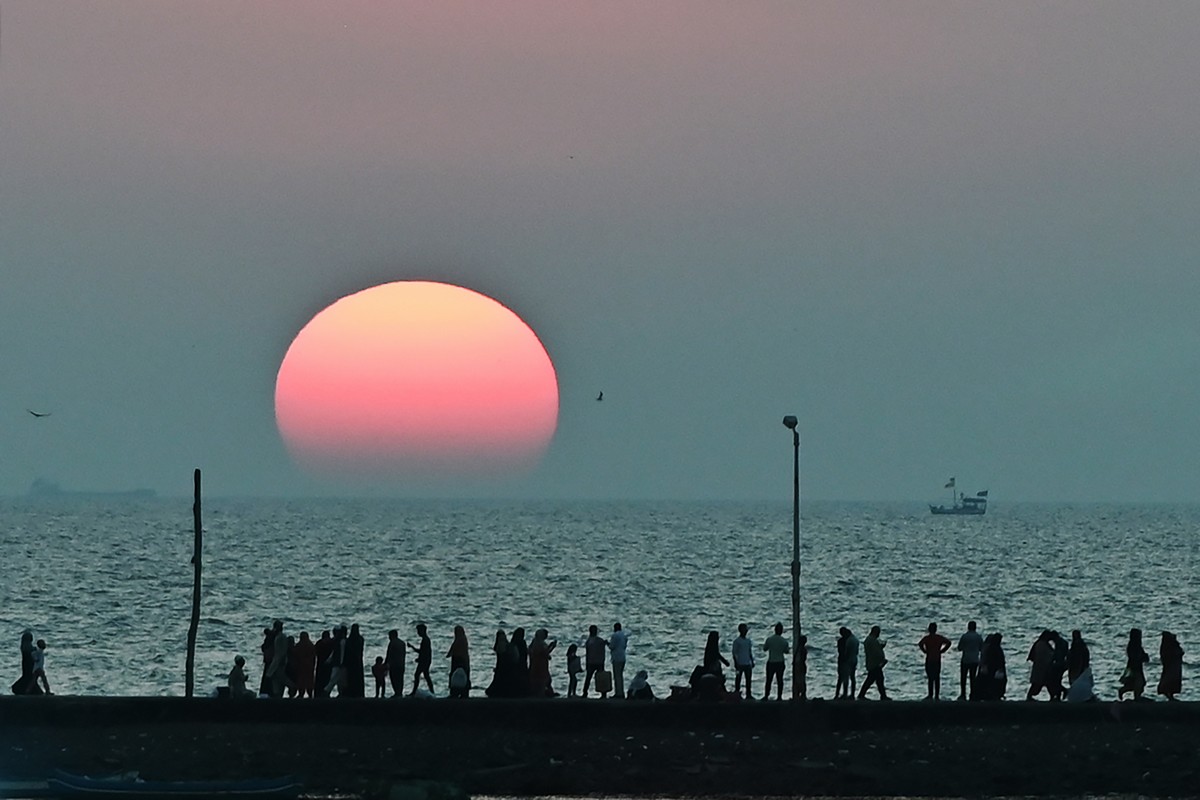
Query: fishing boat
[
  {"x": 65, "y": 784},
  {"x": 962, "y": 505}
]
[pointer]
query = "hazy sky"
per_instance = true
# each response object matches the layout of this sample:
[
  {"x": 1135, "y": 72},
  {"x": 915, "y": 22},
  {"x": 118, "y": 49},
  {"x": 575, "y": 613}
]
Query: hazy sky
[{"x": 953, "y": 238}]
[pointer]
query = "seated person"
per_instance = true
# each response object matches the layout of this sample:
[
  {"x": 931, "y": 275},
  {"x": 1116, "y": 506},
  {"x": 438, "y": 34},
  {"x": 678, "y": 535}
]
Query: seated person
[
  {"x": 639, "y": 687},
  {"x": 237, "y": 680}
]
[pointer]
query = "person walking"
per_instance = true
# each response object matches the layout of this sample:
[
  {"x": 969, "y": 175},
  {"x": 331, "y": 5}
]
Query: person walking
[
  {"x": 618, "y": 644},
  {"x": 970, "y": 644},
  {"x": 39, "y": 666},
  {"x": 743, "y": 661},
  {"x": 424, "y": 659},
  {"x": 873, "y": 655},
  {"x": 776, "y": 648},
  {"x": 1133, "y": 679},
  {"x": 933, "y": 645},
  {"x": 1170, "y": 655}
]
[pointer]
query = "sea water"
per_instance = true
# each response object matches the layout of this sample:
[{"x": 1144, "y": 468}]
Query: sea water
[{"x": 108, "y": 582}]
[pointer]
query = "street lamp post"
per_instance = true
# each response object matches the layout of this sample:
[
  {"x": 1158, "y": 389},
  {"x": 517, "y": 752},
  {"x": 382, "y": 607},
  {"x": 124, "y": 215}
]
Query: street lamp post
[{"x": 791, "y": 422}]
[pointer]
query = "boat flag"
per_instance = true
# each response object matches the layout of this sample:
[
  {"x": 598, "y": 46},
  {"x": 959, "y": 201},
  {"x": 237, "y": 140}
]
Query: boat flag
[
  {"x": 981, "y": 494},
  {"x": 950, "y": 485}
]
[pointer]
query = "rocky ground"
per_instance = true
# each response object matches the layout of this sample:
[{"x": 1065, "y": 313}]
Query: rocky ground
[{"x": 593, "y": 747}]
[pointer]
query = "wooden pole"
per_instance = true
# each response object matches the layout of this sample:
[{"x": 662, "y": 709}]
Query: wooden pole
[{"x": 189, "y": 682}]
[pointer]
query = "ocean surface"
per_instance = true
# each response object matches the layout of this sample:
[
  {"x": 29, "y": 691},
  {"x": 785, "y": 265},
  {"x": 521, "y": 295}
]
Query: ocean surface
[{"x": 107, "y": 582}]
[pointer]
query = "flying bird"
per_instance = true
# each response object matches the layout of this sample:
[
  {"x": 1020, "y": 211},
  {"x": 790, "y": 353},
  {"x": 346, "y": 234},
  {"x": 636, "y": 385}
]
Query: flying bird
[
  {"x": 599, "y": 397},
  {"x": 36, "y": 414}
]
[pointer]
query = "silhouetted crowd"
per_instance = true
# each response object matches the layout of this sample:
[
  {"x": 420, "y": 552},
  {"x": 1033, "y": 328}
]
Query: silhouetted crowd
[{"x": 335, "y": 665}]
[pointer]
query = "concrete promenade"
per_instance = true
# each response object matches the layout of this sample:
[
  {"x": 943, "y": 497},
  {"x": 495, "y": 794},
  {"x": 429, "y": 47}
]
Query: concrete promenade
[{"x": 542, "y": 747}]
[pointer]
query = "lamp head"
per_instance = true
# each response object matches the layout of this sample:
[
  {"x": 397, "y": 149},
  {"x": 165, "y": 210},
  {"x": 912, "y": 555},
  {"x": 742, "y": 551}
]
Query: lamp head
[{"x": 790, "y": 422}]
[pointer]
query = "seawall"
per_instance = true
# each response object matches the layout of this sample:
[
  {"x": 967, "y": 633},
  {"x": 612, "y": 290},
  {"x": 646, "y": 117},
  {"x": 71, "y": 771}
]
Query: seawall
[{"x": 543, "y": 747}]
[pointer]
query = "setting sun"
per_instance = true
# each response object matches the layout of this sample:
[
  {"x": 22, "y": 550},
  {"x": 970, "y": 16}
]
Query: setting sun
[{"x": 419, "y": 381}]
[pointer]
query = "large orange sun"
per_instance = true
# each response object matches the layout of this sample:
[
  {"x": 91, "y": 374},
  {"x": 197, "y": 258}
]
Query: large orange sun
[{"x": 418, "y": 381}]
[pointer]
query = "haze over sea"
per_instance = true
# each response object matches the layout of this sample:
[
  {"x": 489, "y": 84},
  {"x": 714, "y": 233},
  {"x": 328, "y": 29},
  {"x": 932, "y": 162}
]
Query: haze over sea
[{"x": 107, "y": 582}]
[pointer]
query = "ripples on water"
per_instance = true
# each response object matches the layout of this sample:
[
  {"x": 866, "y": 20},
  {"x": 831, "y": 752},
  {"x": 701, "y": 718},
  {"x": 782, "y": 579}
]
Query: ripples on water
[{"x": 109, "y": 585}]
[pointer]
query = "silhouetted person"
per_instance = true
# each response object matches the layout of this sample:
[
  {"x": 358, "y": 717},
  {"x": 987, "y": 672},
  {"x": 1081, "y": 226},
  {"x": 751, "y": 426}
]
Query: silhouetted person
[
  {"x": 289, "y": 667},
  {"x": 379, "y": 672},
  {"x": 970, "y": 644},
  {"x": 802, "y": 665},
  {"x": 424, "y": 660},
  {"x": 355, "y": 663},
  {"x": 499, "y": 671},
  {"x": 743, "y": 661},
  {"x": 237, "y": 681},
  {"x": 847, "y": 664},
  {"x": 396, "y": 659},
  {"x": 322, "y": 650},
  {"x": 1041, "y": 656},
  {"x": 304, "y": 662},
  {"x": 574, "y": 669},
  {"x": 277, "y": 669},
  {"x": 875, "y": 661},
  {"x": 39, "y": 666},
  {"x": 268, "y": 653},
  {"x": 1058, "y": 665},
  {"x": 460, "y": 654},
  {"x": 26, "y": 684},
  {"x": 777, "y": 648},
  {"x": 519, "y": 647},
  {"x": 933, "y": 644},
  {"x": 1170, "y": 655},
  {"x": 713, "y": 660},
  {"x": 337, "y": 663},
  {"x": 540, "y": 650},
  {"x": 639, "y": 687},
  {"x": 992, "y": 679},
  {"x": 1133, "y": 679},
  {"x": 618, "y": 643},
  {"x": 1079, "y": 657},
  {"x": 593, "y": 656}
]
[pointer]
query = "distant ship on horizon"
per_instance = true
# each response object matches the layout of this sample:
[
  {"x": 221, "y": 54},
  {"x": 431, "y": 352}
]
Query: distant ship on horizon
[
  {"x": 47, "y": 488},
  {"x": 962, "y": 505}
]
